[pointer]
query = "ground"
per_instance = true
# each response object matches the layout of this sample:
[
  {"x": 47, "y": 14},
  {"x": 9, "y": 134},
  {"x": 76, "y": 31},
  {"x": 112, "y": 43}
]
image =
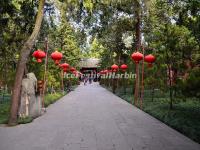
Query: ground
[{"x": 92, "y": 118}]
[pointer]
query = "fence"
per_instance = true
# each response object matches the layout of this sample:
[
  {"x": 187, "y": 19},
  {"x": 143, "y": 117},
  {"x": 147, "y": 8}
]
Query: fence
[{"x": 4, "y": 97}]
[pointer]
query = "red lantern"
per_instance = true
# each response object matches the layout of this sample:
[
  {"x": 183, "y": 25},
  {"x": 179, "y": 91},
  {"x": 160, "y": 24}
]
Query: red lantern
[
  {"x": 136, "y": 57},
  {"x": 124, "y": 67},
  {"x": 74, "y": 72},
  {"x": 64, "y": 66},
  {"x": 150, "y": 59},
  {"x": 72, "y": 69},
  {"x": 56, "y": 56},
  {"x": 101, "y": 72},
  {"x": 39, "y": 55},
  {"x": 106, "y": 71},
  {"x": 114, "y": 67}
]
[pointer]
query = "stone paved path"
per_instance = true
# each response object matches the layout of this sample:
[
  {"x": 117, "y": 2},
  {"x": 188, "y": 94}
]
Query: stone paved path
[{"x": 92, "y": 118}]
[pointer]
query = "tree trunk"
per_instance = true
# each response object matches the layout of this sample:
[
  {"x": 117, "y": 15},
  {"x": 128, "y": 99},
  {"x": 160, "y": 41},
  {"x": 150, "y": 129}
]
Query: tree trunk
[
  {"x": 170, "y": 86},
  {"x": 137, "y": 47},
  {"x": 138, "y": 31},
  {"x": 136, "y": 92},
  {"x": 142, "y": 84},
  {"x": 24, "y": 54}
]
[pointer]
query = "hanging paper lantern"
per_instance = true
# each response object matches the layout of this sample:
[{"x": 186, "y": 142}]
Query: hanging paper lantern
[
  {"x": 39, "y": 55},
  {"x": 106, "y": 71},
  {"x": 74, "y": 72},
  {"x": 137, "y": 57},
  {"x": 64, "y": 66},
  {"x": 114, "y": 68},
  {"x": 124, "y": 67},
  {"x": 56, "y": 56},
  {"x": 101, "y": 72},
  {"x": 150, "y": 59},
  {"x": 72, "y": 69}
]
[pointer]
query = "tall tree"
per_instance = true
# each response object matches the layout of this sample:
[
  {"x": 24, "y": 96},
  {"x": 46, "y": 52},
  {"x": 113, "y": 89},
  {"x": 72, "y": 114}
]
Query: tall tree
[{"x": 24, "y": 54}]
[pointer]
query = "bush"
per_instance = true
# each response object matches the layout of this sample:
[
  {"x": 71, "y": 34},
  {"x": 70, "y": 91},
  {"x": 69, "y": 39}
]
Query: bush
[
  {"x": 4, "y": 112},
  {"x": 191, "y": 87},
  {"x": 74, "y": 81},
  {"x": 51, "y": 98},
  {"x": 24, "y": 120},
  {"x": 184, "y": 117}
]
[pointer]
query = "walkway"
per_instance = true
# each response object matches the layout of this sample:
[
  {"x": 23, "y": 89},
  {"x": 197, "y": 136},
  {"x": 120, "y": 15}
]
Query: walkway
[{"x": 92, "y": 118}]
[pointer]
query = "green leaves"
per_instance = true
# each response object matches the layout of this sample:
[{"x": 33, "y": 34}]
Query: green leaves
[{"x": 88, "y": 4}]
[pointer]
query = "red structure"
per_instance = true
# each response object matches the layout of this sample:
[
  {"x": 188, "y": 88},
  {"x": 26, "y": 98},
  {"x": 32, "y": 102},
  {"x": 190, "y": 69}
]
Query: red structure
[{"x": 64, "y": 66}]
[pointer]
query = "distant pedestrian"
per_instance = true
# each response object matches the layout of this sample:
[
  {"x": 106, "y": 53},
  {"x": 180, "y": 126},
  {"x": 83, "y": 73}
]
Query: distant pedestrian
[
  {"x": 90, "y": 79},
  {"x": 85, "y": 80}
]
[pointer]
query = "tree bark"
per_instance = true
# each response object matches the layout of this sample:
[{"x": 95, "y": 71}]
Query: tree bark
[
  {"x": 170, "y": 86},
  {"x": 137, "y": 47},
  {"x": 24, "y": 54}
]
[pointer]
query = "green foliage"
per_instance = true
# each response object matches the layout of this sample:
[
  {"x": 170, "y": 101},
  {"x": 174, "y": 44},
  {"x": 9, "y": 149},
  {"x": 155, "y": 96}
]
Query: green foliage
[
  {"x": 16, "y": 23},
  {"x": 24, "y": 120},
  {"x": 4, "y": 112},
  {"x": 184, "y": 117},
  {"x": 191, "y": 86},
  {"x": 53, "y": 81},
  {"x": 51, "y": 98},
  {"x": 74, "y": 81},
  {"x": 65, "y": 39},
  {"x": 95, "y": 50}
]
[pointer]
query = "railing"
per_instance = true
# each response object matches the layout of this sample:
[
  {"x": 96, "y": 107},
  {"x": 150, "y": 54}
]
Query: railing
[{"x": 4, "y": 97}]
